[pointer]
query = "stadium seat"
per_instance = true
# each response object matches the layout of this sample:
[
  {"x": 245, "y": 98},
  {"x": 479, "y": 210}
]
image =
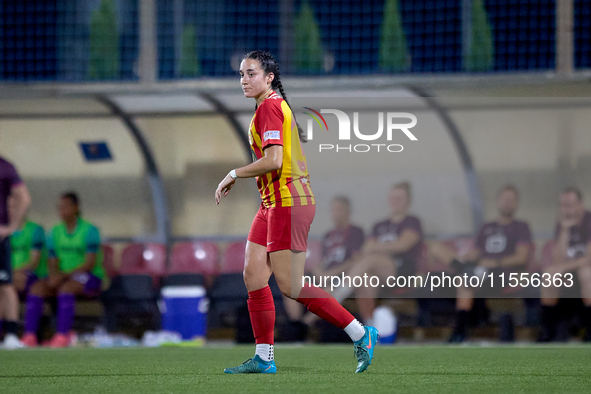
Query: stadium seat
[
  {"x": 423, "y": 262},
  {"x": 194, "y": 257},
  {"x": 131, "y": 296},
  {"x": 228, "y": 293},
  {"x": 149, "y": 259},
  {"x": 313, "y": 255},
  {"x": 234, "y": 257},
  {"x": 132, "y": 292},
  {"x": 108, "y": 261},
  {"x": 192, "y": 263}
]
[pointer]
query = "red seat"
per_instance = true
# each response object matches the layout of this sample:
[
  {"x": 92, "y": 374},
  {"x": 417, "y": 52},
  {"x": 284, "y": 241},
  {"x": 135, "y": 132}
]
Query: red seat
[
  {"x": 313, "y": 255},
  {"x": 108, "y": 261},
  {"x": 423, "y": 265},
  {"x": 147, "y": 259},
  {"x": 234, "y": 257},
  {"x": 194, "y": 258}
]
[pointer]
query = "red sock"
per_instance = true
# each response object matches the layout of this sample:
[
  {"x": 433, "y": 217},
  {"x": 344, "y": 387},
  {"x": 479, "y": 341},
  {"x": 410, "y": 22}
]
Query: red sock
[
  {"x": 261, "y": 309},
  {"x": 322, "y": 304}
]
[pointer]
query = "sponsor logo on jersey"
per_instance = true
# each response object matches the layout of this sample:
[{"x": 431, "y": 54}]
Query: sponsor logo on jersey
[{"x": 272, "y": 135}]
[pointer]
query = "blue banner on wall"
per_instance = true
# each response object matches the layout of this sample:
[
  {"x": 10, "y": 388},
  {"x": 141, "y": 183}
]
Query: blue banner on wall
[{"x": 96, "y": 151}]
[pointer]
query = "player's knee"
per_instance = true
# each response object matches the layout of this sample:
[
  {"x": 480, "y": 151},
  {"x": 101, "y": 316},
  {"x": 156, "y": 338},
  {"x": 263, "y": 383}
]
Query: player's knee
[
  {"x": 68, "y": 288},
  {"x": 19, "y": 286},
  {"x": 247, "y": 276},
  {"x": 4, "y": 288},
  {"x": 38, "y": 289},
  {"x": 19, "y": 281},
  {"x": 253, "y": 281},
  {"x": 284, "y": 287}
]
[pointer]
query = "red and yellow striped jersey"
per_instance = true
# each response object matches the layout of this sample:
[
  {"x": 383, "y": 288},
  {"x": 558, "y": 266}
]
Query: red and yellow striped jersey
[{"x": 273, "y": 124}]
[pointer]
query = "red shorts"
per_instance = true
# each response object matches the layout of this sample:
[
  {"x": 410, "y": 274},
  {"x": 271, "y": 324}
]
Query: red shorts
[{"x": 282, "y": 228}]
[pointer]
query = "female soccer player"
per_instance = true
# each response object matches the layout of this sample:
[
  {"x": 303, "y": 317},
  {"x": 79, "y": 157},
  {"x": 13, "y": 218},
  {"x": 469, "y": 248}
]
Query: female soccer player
[
  {"x": 277, "y": 241},
  {"x": 75, "y": 268}
]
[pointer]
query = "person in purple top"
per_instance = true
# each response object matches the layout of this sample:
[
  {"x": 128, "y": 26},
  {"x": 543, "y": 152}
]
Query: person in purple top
[
  {"x": 393, "y": 249},
  {"x": 11, "y": 186},
  {"x": 341, "y": 247},
  {"x": 503, "y": 245},
  {"x": 571, "y": 254}
]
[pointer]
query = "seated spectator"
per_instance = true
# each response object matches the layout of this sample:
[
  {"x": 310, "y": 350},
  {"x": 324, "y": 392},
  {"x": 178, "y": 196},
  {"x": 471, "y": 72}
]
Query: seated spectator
[
  {"x": 342, "y": 244},
  {"x": 340, "y": 250},
  {"x": 571, "y": 254},
  {"x": 502, "y": 245},
  {"x": 74, "y": 267},
  {"x": 28, "y": 254},
  {"x": 393, "y": 249}
]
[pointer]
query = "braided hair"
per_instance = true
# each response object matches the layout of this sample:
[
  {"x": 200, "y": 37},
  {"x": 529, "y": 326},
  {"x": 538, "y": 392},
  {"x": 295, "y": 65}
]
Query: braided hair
[{"x": 270, "y": 65}]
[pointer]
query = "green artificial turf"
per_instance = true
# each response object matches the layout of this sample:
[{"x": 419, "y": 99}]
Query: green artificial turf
[{"x": 310, "y": 368}]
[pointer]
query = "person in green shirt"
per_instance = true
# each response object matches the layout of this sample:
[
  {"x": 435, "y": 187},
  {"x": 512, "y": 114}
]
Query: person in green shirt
[
  {"x": 28, "y": 255},
  {"x": 74, "y": 266}
]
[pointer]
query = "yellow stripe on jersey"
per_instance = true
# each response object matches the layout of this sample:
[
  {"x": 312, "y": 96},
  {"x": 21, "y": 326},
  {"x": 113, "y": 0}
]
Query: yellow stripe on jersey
[{"x": 288, "y": 186}]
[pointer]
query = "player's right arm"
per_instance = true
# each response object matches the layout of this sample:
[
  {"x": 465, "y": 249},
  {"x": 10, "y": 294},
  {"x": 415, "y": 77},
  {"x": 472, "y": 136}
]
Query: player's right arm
[
  {"x": 55, "y": 277},
  {"x": 36, "y": 248},
  {"x": 271, "y": 161},
  {"x": 33, "y": 261}
]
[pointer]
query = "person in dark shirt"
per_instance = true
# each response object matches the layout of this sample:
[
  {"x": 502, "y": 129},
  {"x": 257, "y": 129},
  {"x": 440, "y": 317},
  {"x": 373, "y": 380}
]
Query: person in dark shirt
[
  {"x": 342, "y": 243},
  {"x": 393, "y": 249},
  {"x": 571, "y": 254},
  {"x": 503, "y": 245},
  {"x": 11, "y": 187}
]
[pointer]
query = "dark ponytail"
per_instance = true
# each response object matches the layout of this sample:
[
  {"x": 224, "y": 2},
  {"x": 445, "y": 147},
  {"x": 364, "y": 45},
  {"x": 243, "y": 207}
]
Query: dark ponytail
[{"x": 270, "y": 65}]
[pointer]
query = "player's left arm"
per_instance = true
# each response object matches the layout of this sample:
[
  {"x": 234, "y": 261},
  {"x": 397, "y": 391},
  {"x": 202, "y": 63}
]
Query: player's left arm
[
  {"x": 37, "y": 247},
  {"x": 271, "y": 161},
  {"x": 93, "y": 244}
]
